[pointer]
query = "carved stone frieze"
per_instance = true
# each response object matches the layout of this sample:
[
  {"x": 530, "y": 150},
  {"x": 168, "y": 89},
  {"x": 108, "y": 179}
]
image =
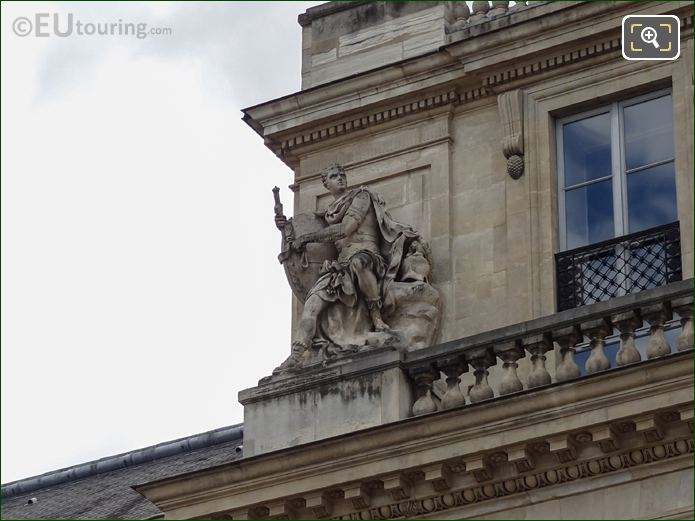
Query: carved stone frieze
[{"x": 526, "y": 482}]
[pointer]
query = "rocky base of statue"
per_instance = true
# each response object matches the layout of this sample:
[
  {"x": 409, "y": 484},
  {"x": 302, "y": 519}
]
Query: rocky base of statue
[
  {"x": 418, "y": 308},
  {"x": 413, "y": 324}
]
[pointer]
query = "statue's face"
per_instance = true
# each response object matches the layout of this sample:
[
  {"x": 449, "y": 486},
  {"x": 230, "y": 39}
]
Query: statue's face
[{"x": 335, "y": 181}]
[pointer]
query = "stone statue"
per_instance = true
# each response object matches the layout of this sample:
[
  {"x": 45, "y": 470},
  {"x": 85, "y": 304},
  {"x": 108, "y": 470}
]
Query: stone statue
[{"x": 362, "y": 275}]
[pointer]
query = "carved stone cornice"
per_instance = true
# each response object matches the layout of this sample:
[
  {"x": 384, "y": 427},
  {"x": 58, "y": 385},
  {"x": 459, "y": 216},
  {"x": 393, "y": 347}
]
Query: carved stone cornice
[
  {"x": 446, "y": 486},
  {"x": 449, "y": 77},
  {"x": 527, "y": 71},
  {"x": 527, "y": 482},
  {"x": 426, "y": 441},
  {"x": 533, "y": 68},
  {"x": 468, "y": 91},
  {"x": 378, "y": 117}
]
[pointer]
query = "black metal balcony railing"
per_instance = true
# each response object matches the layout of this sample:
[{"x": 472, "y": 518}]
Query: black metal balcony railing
[{"x": 619, "y": 266}]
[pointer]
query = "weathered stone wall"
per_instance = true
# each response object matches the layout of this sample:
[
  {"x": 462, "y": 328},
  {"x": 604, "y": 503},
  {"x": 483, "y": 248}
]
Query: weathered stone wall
[{"x": 359, "y": 36}]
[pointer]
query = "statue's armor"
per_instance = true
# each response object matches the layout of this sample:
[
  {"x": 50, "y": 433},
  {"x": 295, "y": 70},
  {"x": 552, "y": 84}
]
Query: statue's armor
[{"x": 366, "y": 236}]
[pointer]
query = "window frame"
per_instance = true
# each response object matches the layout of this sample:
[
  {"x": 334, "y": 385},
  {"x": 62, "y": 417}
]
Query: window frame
[{"x": 619, "y": 172}]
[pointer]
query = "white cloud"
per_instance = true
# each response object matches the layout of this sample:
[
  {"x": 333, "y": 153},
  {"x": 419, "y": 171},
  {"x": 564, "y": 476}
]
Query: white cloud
[{"x": 140, "y": 286}]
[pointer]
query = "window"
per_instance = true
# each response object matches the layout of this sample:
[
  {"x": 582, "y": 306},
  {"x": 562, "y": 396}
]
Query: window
[
  {"x": 616, "y": 170},
  {"x": 616, "y": 178}
]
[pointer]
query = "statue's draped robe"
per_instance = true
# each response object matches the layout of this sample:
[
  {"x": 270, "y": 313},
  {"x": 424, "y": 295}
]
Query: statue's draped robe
[{"x": 345, "y": 323}]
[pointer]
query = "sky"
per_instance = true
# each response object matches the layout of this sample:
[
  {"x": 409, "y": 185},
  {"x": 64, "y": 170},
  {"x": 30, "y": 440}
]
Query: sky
[{"x": 140, "y": 285}]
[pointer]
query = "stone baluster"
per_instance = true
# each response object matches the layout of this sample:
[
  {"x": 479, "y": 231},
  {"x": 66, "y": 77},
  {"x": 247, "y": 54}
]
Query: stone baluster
[
  {"x": 460, "y": 13},
  {"x": 684, "y": 307},
  {"x": 567, "y": 338},
  {"x": 627, "y": 323},
  {"x": 426, "y": 402},
  {"x": 480, "y": 10},
  {"x": 453, "y": 368},
  {"x": 481, "y": 359},
  {"x": 597, "y": 330},
  {"x": 538, "y": 345},
  {"x": 509, "y": 353},
  {"x": 498, "y": 8},
  {"x": 657, "y": 315},
  {"x": 517, "y": 6}
]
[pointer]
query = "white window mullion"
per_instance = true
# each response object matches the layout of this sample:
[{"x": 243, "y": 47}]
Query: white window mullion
[
  {"x": 619, "y": 196},
  {"x": 561, "y": 187},
  {"x": 618, "y": 171}
]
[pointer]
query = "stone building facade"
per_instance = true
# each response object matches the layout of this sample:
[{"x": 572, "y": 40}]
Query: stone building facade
[{"x": 553, "y": 181}]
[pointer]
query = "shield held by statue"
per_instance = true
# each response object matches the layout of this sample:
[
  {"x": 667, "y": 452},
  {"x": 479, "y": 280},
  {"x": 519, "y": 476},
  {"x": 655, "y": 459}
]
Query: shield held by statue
[{"x": 302, "y": 268}]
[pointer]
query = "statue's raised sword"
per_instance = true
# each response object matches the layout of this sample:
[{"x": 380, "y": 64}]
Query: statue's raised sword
[{"x": 302, "y": 268}]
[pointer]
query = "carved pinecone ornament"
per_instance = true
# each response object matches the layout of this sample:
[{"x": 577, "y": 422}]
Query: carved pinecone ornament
[{"x": 515, "y": 166}]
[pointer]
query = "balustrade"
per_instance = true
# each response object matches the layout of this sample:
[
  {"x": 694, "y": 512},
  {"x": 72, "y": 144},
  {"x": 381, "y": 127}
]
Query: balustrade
[
  {"x": 481, "y": 12},
  {"x": 595, "y": 330},
  {"x": 588, "y": 341}
]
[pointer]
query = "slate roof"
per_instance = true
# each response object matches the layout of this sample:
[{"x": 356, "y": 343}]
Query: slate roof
[{"x": 97, "y": 490}]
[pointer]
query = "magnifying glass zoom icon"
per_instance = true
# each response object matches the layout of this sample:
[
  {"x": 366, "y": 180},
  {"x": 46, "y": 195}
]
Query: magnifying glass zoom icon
[{"x": 648, "y": 35}]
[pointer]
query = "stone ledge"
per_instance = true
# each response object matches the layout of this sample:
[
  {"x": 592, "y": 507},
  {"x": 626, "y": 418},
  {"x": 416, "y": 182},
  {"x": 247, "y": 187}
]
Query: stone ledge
[
  {"x": 370, "y": 361},
  {"x": 647, "y": 388},
  {"x": 319, "y": 11}
]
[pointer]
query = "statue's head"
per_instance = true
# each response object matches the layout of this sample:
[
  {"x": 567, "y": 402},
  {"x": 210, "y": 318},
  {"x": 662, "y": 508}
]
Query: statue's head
[{"x": 334, "y": 178}]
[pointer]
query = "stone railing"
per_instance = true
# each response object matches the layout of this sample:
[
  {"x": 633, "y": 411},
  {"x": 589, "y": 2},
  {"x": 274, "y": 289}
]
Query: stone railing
[
  {"x": 564, "y": 333},
  {"x": 463, "y": 15},
  {"x": 402, "y": 434}
]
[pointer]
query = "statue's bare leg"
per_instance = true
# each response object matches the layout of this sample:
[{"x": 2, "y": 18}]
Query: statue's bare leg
[
  {"x": 313, "y": 307},
  {"x": 369, "y": 286}
]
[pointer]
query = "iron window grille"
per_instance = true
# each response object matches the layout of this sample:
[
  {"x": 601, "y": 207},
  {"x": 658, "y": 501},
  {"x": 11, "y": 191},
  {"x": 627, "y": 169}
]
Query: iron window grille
[{"x": 619, "y": 266}]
